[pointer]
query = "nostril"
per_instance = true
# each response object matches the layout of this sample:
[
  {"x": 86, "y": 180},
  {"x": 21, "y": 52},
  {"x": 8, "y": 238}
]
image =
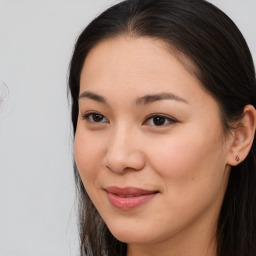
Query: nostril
[{"x": 121, "y": 162}]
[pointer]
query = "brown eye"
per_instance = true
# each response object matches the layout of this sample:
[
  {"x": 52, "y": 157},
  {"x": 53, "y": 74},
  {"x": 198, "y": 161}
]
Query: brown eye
[
  {"x": 95, "y": 118},
  {"x": 159, "y": 120}
]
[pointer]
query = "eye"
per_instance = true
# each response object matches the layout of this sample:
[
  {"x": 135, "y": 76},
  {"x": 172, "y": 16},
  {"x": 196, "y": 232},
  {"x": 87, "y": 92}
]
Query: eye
[
  {"x": 95, "y": 118},
  {"x": 159, "y": 120}
]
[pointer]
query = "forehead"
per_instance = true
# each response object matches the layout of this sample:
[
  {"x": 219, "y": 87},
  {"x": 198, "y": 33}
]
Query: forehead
[
  {"x": 138, "y": 66},
  {"x": 136, "y": 47},
  {"x": 131, "y": 59}
]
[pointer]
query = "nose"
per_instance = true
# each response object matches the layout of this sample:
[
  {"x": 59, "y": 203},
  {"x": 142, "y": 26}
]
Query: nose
[{"x": 124, "y": 152}]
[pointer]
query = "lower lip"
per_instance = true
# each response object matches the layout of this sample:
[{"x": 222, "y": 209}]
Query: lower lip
[{"x": 128, "y": 203}]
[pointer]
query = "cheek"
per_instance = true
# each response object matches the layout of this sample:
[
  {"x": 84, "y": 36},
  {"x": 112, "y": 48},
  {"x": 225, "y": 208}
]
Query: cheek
[
  {"x": 87, "y": 152},
  {"x": 191, "y": 158},
  {"x": 192, "y": 174}
]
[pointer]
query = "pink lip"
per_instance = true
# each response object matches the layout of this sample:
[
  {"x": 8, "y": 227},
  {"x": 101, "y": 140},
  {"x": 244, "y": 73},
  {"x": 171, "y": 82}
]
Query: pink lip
[{"x": 128, "y": 198}]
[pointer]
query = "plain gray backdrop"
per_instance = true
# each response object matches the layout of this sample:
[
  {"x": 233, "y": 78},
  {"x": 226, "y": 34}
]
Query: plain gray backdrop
[{"x": 37, "y": 195}]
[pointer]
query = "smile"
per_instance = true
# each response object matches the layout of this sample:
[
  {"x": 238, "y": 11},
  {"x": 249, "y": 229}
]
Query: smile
[{"x": 128, "y": 198}]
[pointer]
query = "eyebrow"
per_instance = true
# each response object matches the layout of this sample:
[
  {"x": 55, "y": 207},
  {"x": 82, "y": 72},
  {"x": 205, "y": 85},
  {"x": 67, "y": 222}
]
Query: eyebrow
[
  {"x": 147, "y": 99},
  {"x": 92, "y": 96}
]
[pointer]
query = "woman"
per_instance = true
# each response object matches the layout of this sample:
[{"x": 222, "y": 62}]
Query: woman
[{"x": 163, "y": 110}]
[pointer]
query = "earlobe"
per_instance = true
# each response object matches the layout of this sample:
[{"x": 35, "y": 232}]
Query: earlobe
[{"x": 243, "y": 136}]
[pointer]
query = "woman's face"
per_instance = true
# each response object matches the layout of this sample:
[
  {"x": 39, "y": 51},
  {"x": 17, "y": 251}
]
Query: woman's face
[{"x": 149, "y": 144}]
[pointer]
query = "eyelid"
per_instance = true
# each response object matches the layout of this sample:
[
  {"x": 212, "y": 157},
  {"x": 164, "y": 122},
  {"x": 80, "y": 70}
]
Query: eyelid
[
  {"x": 171, "y": 120},
  {"x": 88, "y": 114}
]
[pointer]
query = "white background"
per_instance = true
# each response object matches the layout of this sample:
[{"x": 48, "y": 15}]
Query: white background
[{"x": 37, "y": 199}]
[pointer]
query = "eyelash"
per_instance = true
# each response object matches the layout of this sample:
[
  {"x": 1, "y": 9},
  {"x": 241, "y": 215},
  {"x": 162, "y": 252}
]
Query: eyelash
[
  {"x": 164, "y": 118},
  {"x": 90, "y": 117}
]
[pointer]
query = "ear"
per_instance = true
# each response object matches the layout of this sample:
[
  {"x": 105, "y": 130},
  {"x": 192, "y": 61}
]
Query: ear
[{"x": 243, "y": 136}]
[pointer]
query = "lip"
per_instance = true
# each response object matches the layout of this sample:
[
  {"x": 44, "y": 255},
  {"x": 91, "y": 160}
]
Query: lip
[{"x": 128, "y": 198}]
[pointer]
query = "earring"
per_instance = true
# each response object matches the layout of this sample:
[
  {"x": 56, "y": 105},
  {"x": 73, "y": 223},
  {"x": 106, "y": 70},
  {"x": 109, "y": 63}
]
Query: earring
[{"x": 237, "y": 158}]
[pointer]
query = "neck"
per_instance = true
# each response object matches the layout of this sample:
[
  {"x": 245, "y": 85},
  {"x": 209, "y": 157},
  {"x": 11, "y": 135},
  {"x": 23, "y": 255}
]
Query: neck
[
  {"x": 194, "y": 241},
  {"x": 172, "y": 249}
]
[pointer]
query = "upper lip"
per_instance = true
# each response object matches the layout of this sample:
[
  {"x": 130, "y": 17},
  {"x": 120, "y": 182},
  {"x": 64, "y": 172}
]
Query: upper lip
[{"x": 129, "y": 191}]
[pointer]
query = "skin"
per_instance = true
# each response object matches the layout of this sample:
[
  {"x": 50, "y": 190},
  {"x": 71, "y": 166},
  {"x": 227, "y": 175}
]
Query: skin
[{"x": 186, "y": 159}]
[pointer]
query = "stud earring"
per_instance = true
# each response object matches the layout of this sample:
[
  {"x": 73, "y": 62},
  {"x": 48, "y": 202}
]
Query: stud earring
[{"x": 237, "y": 158}]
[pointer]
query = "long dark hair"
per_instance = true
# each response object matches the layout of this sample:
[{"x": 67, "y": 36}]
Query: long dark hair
[{"x": 224, "y": 65}]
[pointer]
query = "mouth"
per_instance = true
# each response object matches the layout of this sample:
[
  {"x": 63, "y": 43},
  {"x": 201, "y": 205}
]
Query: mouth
[{"x": 129, "y": 198}]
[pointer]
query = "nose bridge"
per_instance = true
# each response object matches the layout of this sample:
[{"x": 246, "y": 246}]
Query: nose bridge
[
  {"x": 120, "y": 136},
  {"x": 123, "y": 150}
]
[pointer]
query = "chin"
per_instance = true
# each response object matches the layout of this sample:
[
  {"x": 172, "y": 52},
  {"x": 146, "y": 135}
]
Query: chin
[
  {"x": 131, "y": 236},
  {"x": 130, "y": 239}
]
